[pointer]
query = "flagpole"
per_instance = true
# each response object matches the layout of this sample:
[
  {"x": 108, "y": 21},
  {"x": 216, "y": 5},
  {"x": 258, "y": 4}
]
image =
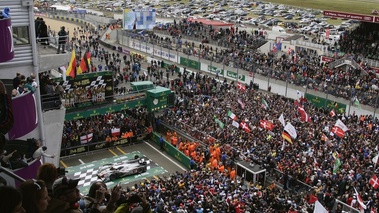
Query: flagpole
[
  {"x": 375, "y": 106},
  {"x": 285, "y": 94},
  {"x": 351, "y": 96},
  {"x": 268, "y": 79}
]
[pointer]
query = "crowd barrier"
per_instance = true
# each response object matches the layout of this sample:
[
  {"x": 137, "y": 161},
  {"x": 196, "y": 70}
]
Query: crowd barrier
[{"x": 91, "y": 147}]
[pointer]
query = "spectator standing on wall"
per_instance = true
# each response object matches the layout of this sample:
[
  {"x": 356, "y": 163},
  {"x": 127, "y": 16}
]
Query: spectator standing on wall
[
  {"x": 42, "y": 33},
  {"x": 16, "y": 80},
  {"x": 41, "y": 152},
  {"x": 161, "y": 142},
  {"x": 62, "y": 39}
]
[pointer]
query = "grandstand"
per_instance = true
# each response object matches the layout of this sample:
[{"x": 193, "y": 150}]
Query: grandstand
[{"x": 308, "y": 166}]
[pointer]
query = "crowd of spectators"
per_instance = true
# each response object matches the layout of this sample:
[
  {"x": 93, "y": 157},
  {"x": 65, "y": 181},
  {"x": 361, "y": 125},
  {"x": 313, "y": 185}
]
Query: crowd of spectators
[
  {"x": 361, "y": 42},
  {"x": 200, "y": 100},
  {"x": 109, "y": 127},
  {"x": 238, "y": 48},
  {"x": 309, "y": 159}
]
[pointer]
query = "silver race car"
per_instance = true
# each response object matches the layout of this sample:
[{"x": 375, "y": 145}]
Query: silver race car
[{"x": 109, "y": 172}]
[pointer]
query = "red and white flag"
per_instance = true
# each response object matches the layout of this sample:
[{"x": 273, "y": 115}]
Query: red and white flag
[
  {"x": 86, "y": 138},
  {"x": 241, "y": 103},
  {"x": 359, "y": 199},
  {"x": 341, "y": 125},
  {"x": 245, "y": 127},
  {"x": 337, "y": 131},
  {"x": 374, "y": 181},
  {"x": 241, "y": 86},
  {"x": 116, "y": 132},
  {"x": 266, "y": 125},
  {"x": 332, "y": 113},
  {"x": 303, "y": 115}
]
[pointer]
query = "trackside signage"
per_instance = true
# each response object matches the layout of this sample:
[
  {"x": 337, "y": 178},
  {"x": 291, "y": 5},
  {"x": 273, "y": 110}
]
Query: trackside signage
[{"x": 342, "y": 15}]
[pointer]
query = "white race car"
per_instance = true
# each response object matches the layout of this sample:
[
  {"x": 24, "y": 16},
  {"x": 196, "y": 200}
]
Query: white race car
[{"x": 121, "y": 169}]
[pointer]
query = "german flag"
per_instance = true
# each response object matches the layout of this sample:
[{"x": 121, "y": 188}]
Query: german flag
[
  {"x": 286, "y": 137},
  {"x": 71, "y": 69},
  {"x": 324, "y": 138},
  {"x": 84, "y": 63}
]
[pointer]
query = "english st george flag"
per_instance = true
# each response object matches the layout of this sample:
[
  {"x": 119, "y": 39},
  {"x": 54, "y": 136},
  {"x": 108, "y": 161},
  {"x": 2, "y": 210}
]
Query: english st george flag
[{"x": 86, "y": 138}]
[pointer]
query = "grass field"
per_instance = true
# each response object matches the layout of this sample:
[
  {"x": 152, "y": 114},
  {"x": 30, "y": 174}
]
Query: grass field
[{"x": 352, "y": 6}]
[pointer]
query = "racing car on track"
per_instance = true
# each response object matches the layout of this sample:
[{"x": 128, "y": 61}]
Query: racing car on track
[{"x": 121, "y": 169}]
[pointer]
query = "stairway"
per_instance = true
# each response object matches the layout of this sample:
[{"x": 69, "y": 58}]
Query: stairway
[{"x": 346, "y": 61}]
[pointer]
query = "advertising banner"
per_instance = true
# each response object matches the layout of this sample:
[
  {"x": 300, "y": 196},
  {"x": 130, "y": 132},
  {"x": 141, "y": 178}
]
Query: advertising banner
[
  {"x": 231, "y": 74},
  {"x": 325, "y": 103},
  {"x": 342, "y": 15},
  {"x": 214, "y": 70},
  {"x": 104, "y": 110},
  {"x": 166, "y": 55},
  {"x": 190, "y": 63}
]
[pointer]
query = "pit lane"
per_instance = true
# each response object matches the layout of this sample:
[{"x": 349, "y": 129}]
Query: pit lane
[{"x": 84, "y": 166}]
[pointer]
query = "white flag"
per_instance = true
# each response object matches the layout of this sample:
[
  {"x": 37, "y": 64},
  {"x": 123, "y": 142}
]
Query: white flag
[
  {"x": 299, "y": 94},
  {"x": 375, "y": 159},
  {"x": 63, "y": 68},
  {"x": 236, "y": 124},
  {"x": 319, "y": 208},
  {"x": 291, "y": 130},
  {"x": 359, "y": 199},
  {"x": 341, "y": 125},
  {"x": 281, "y": 119},
  {"x": 283, "y": 145}
]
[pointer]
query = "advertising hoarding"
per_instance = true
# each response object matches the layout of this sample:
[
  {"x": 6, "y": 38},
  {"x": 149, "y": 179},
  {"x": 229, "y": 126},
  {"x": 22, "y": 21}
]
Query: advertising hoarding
[{"x": 139, "y": 19}]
